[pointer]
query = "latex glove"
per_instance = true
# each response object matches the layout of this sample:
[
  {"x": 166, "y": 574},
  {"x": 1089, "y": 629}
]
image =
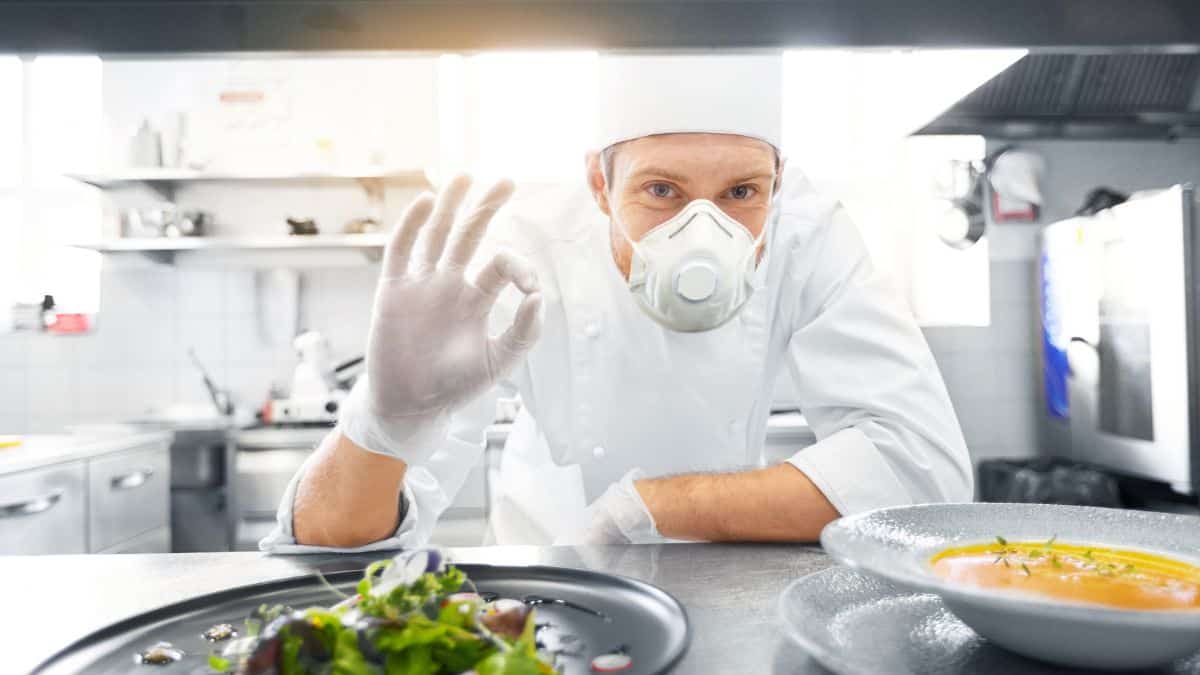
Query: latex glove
[
  {"x": 620, "y": 516},
  {"x": 429, "y": 352}
]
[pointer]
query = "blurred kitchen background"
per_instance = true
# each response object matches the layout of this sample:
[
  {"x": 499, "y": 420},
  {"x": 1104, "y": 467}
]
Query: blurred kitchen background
[{"x": 188, "y": 248}]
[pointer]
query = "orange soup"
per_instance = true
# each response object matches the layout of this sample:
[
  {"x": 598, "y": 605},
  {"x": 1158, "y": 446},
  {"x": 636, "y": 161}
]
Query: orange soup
[{"x": 1124, "y": 579}]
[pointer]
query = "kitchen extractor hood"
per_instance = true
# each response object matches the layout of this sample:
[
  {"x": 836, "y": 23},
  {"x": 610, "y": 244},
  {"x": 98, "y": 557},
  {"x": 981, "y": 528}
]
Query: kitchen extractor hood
[{"x": 1082, "y": 96}]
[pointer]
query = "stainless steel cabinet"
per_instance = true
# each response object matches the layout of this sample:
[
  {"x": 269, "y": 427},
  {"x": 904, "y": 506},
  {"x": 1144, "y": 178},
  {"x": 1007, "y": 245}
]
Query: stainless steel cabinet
[
  {"x": 44, "y": 510},
  {"x": 128, "y": 495},
  {"x": 263, "y": 464},
  {"x": 110, "y": 503},
  {"x": 262, "y": 477}
]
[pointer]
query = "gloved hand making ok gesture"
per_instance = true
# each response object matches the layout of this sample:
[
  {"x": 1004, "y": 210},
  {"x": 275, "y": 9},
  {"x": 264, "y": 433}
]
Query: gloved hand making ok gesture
[{"x": 429, "y": 352}]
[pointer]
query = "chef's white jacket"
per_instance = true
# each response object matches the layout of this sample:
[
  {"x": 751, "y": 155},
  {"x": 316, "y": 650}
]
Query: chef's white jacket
[{"x": 606, "y": 389}]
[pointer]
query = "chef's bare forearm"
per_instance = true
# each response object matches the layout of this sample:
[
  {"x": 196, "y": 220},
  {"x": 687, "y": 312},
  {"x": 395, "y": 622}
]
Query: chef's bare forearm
[
  {"x": 777, "y": 503},
  {"x": 348, "y": 496}
]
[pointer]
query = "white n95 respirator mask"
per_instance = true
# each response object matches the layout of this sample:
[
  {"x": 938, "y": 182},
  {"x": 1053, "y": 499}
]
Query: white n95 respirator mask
[{"x": 693, "y": 272}]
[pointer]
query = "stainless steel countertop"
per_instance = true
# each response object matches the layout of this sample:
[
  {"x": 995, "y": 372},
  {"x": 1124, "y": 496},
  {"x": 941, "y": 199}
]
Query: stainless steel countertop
[
  {"x": 729, "y": 591},
  {"x": 38, "y": 450}
]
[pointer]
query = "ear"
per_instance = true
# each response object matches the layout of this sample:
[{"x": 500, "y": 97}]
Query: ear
[
  {"x": 779, "y": 176},
  {"x": 596, "y": 182}
]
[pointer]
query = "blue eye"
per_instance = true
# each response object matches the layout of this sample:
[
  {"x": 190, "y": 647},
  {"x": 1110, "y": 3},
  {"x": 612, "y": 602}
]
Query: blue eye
[
  {"x": 661, "y": 190},
  {"x": 742, "y": 192}
]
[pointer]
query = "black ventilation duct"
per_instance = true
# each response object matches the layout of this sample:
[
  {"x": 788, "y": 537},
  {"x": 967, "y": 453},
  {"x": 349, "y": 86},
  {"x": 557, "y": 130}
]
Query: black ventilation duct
[{"x": 1142, "y": 95}]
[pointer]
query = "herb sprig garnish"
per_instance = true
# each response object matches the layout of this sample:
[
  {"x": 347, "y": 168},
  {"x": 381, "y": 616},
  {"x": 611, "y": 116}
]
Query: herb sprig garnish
[
  {"x": 1046, "y": 550},
  {"x": 1008, "y": 554}
]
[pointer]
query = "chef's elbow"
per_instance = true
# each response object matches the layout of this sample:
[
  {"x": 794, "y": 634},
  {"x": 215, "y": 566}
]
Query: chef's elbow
[
  {"x": 341, "y": 528},
  {"x": 318, "y": 520}
]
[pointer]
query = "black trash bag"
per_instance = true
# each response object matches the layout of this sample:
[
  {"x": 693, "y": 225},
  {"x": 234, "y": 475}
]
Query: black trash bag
[{"x": 1047, "y": 481}]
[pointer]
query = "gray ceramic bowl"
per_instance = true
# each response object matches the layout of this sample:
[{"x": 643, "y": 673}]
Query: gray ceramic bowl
[
  {"x": 896, "y": 544},
  {"x": 854, "y": 623}
]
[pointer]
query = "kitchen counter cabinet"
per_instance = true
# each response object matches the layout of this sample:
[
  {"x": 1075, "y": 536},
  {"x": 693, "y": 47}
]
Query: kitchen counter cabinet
[
  {"x": 128, "y": 495},
  {"x": 728, "y": 590},
  {"x": 44, "y": 510},
  {"x": 78, "y": 494}
]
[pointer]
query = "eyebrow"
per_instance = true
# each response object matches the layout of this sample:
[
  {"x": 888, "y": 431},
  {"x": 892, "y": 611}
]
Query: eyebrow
[
  {"x": 656, "y": 171},
  {"x": 753, "y": 177},
  {"x": 678, "y": 178}
]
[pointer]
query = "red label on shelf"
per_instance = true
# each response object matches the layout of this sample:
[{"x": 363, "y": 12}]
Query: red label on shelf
[{"x": 70, "y": 324}]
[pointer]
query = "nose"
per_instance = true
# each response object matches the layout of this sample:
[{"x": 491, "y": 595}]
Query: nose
[{"x": 696, "y": 281}]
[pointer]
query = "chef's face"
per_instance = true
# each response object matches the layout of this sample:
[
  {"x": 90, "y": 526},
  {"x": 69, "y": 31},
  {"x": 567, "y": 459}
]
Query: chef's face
[{"x": 650, "y": 179}]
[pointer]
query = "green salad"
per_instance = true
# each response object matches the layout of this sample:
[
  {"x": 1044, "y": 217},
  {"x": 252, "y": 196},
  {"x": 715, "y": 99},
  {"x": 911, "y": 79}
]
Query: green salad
[{"x": 410, "y": 616}]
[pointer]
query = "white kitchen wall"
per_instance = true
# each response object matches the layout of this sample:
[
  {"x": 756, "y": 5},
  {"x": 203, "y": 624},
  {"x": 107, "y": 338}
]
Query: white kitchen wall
[
  {"x": 994, "y": 372},
  {"x": 373, "y": 110},
  {"x": 991, "y": 371},
  {"x": 150, "y": 316}
]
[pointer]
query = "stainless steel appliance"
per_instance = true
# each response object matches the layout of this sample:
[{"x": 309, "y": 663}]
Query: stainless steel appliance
[
  {"x": 1121, "y": 338},
  {"x": 264, "y": 461},
  {"x": 199, "y": 520},
  {"x": 318, "y": 385}
]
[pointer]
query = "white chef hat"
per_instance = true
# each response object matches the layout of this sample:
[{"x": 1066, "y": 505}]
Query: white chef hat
[{"x": 642, "y": 95}]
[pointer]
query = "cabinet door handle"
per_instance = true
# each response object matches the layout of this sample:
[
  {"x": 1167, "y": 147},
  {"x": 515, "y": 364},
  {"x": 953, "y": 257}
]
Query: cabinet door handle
[
  {"x": 32, "y": 506},
  {"x": 131, "y": 480}
]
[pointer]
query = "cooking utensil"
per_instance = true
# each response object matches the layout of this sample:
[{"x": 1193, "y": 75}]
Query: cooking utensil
[
  {"x": 346, "y": 371},
  {"x": 189, "y": 224},
  {"x": 164, "y": 220},
  {"x": 149, "y": 221},
  {"x": 648, "y": 623},
  {"x": 145, "y": 149},
  {"x": 220, "y": 399},
  {"x": 302, "y": 226},
  {"x": 858, "y": 624},
  {"x": 362, "y": 226},
  {"x": 896, "y": 544}
]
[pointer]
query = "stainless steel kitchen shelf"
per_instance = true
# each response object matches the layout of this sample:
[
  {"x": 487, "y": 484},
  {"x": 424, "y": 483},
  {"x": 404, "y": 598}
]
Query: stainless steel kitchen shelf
[
  {"x": 164, "y": 249},
  {"x": 166, "y": 181}
]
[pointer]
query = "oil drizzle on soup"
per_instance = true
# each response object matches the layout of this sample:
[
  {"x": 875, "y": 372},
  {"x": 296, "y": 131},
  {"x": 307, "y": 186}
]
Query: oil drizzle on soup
[{"x": 1119, "y": 578}]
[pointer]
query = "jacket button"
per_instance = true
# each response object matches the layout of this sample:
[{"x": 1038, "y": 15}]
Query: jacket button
[
  {"x": 598, "y": 452},
  {"x": 592, "y": 329}
]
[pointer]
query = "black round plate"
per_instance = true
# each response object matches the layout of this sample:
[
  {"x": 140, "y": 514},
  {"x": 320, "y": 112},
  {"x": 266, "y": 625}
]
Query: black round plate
[{"x": 643, "y": 620}]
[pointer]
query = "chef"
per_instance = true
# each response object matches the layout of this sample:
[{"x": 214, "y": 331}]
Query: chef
[{"x": 643, "y": 319}]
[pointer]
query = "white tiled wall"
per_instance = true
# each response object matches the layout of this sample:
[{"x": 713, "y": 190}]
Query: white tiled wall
[
  {"x": 991, "y": 372},
  {"x": 136, "y": 358}
]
